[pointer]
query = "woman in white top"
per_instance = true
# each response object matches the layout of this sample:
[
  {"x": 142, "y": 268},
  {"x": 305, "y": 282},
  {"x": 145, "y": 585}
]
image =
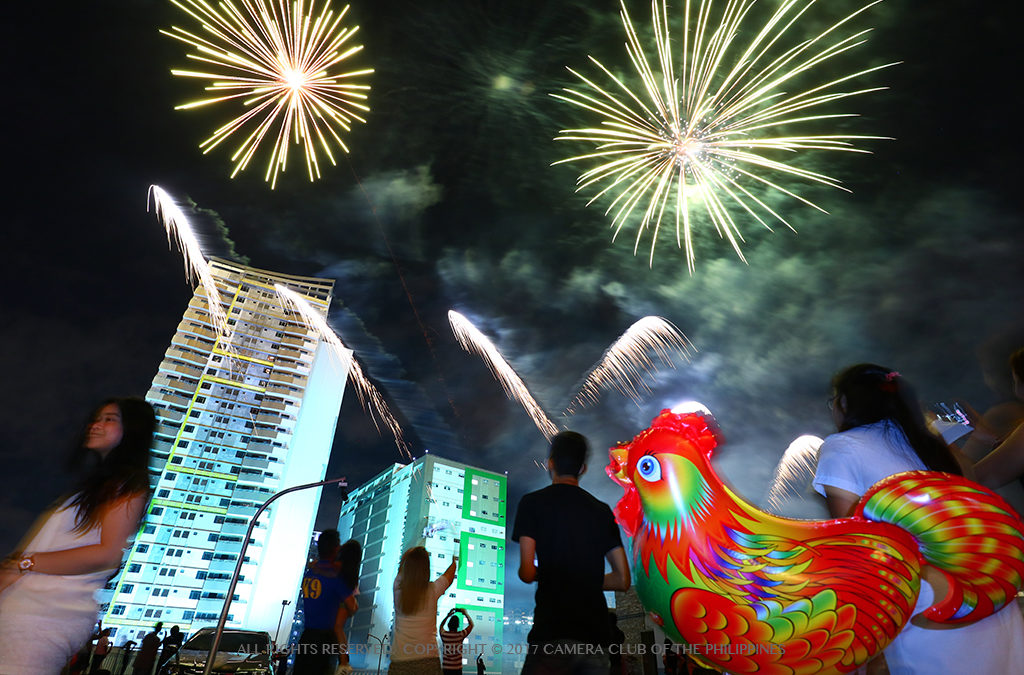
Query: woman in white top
[
  {"x": 414, "y": 644},
  {"x": 47, "y": 609},
  {"x": 882, "y": 432}
]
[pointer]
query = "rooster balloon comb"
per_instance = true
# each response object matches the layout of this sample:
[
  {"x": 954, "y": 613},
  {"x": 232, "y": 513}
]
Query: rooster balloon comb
[{"x": 751, "y": 592}]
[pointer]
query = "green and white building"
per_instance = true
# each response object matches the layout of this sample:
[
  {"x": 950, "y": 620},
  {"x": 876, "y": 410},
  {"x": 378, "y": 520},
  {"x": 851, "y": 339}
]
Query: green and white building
[{"x": 449, "y": 508}]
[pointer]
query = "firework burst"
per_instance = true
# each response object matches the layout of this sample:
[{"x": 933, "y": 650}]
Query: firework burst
[
  {"x": 627, "y": 363},
  {"x": 282, "y": 63},
  {"x": 712, "y": 131},
  {"x": 369, "y": 396},
  {"x": 472, "y": 340}
]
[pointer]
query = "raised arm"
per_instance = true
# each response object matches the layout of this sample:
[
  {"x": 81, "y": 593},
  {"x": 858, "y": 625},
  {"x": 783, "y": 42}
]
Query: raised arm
[
  {"x": 1005, "y": 463},
  {"x": 449, "y": 574},
  {"x": 618, "y": 579}
]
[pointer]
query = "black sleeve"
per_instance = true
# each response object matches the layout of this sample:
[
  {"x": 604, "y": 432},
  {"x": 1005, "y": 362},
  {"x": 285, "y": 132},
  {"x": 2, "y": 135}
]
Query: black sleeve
[
  {"x": 612, "y": 537},
  {"x": 525, "y": 524}
]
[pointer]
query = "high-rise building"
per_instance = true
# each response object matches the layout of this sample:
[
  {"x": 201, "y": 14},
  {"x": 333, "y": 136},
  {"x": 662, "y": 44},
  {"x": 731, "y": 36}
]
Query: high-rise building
[
  {"x": 239, "y": 419},
  {"x": 449, "y": 508}
]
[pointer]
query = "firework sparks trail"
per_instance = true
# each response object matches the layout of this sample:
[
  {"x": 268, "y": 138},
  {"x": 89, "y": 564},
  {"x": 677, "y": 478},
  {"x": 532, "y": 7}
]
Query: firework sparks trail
[
  {"x": 370, "y": 398},
  {"x": 711, "y": 131},
  {"x": 472, "y": 340},
  {"x": 279, "y": 61},
  {"x": 196, "y": 269},
  {"x": 627, "y": 363},
  {"x": 795, "y": 470}
]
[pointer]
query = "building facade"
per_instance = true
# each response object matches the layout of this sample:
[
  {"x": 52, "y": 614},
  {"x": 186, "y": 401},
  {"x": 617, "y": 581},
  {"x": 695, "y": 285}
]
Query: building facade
[
  {"x": 240, "y": 417},
  {"x": 449, "y": 508}
]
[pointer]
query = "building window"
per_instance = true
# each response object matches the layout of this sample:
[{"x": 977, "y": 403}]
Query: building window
[{"x": 134, "y": 567}]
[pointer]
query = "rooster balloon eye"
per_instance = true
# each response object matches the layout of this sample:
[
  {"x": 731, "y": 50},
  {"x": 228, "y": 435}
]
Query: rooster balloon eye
[{"x": 649, "y": 468}]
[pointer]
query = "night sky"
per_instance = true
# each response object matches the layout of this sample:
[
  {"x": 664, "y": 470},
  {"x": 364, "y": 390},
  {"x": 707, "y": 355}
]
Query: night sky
[{"x": 449, "y": 200}]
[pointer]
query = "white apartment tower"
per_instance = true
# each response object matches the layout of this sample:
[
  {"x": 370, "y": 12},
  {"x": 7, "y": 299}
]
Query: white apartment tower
[
  {"x": 448, "y": 508},
  {"x": 239, "y": 419}
]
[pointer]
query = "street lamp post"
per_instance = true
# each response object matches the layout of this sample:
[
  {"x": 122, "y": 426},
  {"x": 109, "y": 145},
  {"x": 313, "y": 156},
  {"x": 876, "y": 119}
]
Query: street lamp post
[
  {"x": 380, "y": 654},
  {"x": 241, "y": 558},
  {"x": 277, "y": 634}
]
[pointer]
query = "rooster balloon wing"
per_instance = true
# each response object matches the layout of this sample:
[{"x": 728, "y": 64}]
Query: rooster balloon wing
[{"x": 752, "y": 592}]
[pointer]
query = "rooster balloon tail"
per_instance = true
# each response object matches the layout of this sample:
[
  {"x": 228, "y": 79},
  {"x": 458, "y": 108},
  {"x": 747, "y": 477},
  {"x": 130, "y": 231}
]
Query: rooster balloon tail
[
  {"x": 964, "y": 530},
  {"x": 750, "y": 592}
]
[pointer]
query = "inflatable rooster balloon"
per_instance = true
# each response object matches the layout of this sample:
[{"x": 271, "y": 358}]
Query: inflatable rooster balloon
[{"x": 756, "y": 593}]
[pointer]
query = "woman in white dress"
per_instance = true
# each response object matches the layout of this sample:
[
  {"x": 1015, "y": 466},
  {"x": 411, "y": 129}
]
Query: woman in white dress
[{"x": 47, "y": 609}]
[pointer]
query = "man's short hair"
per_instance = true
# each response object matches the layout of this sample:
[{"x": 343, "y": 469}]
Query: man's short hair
[
  {"x": 569, "y": 452},
  {"x": 327, "y": 542}
]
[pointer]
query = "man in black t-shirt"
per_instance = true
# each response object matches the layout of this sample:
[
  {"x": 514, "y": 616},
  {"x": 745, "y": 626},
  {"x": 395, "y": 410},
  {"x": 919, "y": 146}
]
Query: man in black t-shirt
[{"x": 571, "y": 534}]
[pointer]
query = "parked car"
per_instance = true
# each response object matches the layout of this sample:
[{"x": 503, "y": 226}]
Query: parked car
[{"x": 246, "y": 652}]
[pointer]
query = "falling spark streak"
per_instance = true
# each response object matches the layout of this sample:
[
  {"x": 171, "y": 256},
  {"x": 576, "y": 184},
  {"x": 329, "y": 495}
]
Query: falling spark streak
[
  {"x": 278, "y": 60},
  {"x": 370, "y": 398},
  {"x": 472, "y": 340},
  {"x": 706, "y": 132},
  {"x": 627, "y": 362},
  {"x": 795, "y": 470},
  {"x": 196, "y": 269}
]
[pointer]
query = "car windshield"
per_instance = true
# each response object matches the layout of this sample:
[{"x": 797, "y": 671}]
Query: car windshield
[{"x": 246, "y": 643}]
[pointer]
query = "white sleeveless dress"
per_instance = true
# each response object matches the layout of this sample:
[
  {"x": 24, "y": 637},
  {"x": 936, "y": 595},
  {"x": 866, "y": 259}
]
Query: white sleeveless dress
[{"x": 45, "y": 618}]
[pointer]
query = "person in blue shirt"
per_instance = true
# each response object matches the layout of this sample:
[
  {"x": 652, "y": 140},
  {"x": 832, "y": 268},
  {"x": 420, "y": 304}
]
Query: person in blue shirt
[{"x": 328, "y": 589}]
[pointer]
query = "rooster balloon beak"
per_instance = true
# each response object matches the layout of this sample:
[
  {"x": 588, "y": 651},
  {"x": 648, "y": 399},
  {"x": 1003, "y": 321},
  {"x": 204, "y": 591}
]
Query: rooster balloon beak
[
  {"x": 617, "y": 466},
  {"x": 628, "y": 512}
]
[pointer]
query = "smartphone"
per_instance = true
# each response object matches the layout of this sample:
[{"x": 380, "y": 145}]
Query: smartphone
[{"x": 951, "y": 412}]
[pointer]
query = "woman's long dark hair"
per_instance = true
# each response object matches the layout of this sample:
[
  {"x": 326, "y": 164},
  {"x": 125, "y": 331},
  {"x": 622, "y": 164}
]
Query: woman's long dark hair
[
  {"x": 869, "y": 393},
  {"x": 351, "y": 558},
  {"x": 125, "y": 469}
]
